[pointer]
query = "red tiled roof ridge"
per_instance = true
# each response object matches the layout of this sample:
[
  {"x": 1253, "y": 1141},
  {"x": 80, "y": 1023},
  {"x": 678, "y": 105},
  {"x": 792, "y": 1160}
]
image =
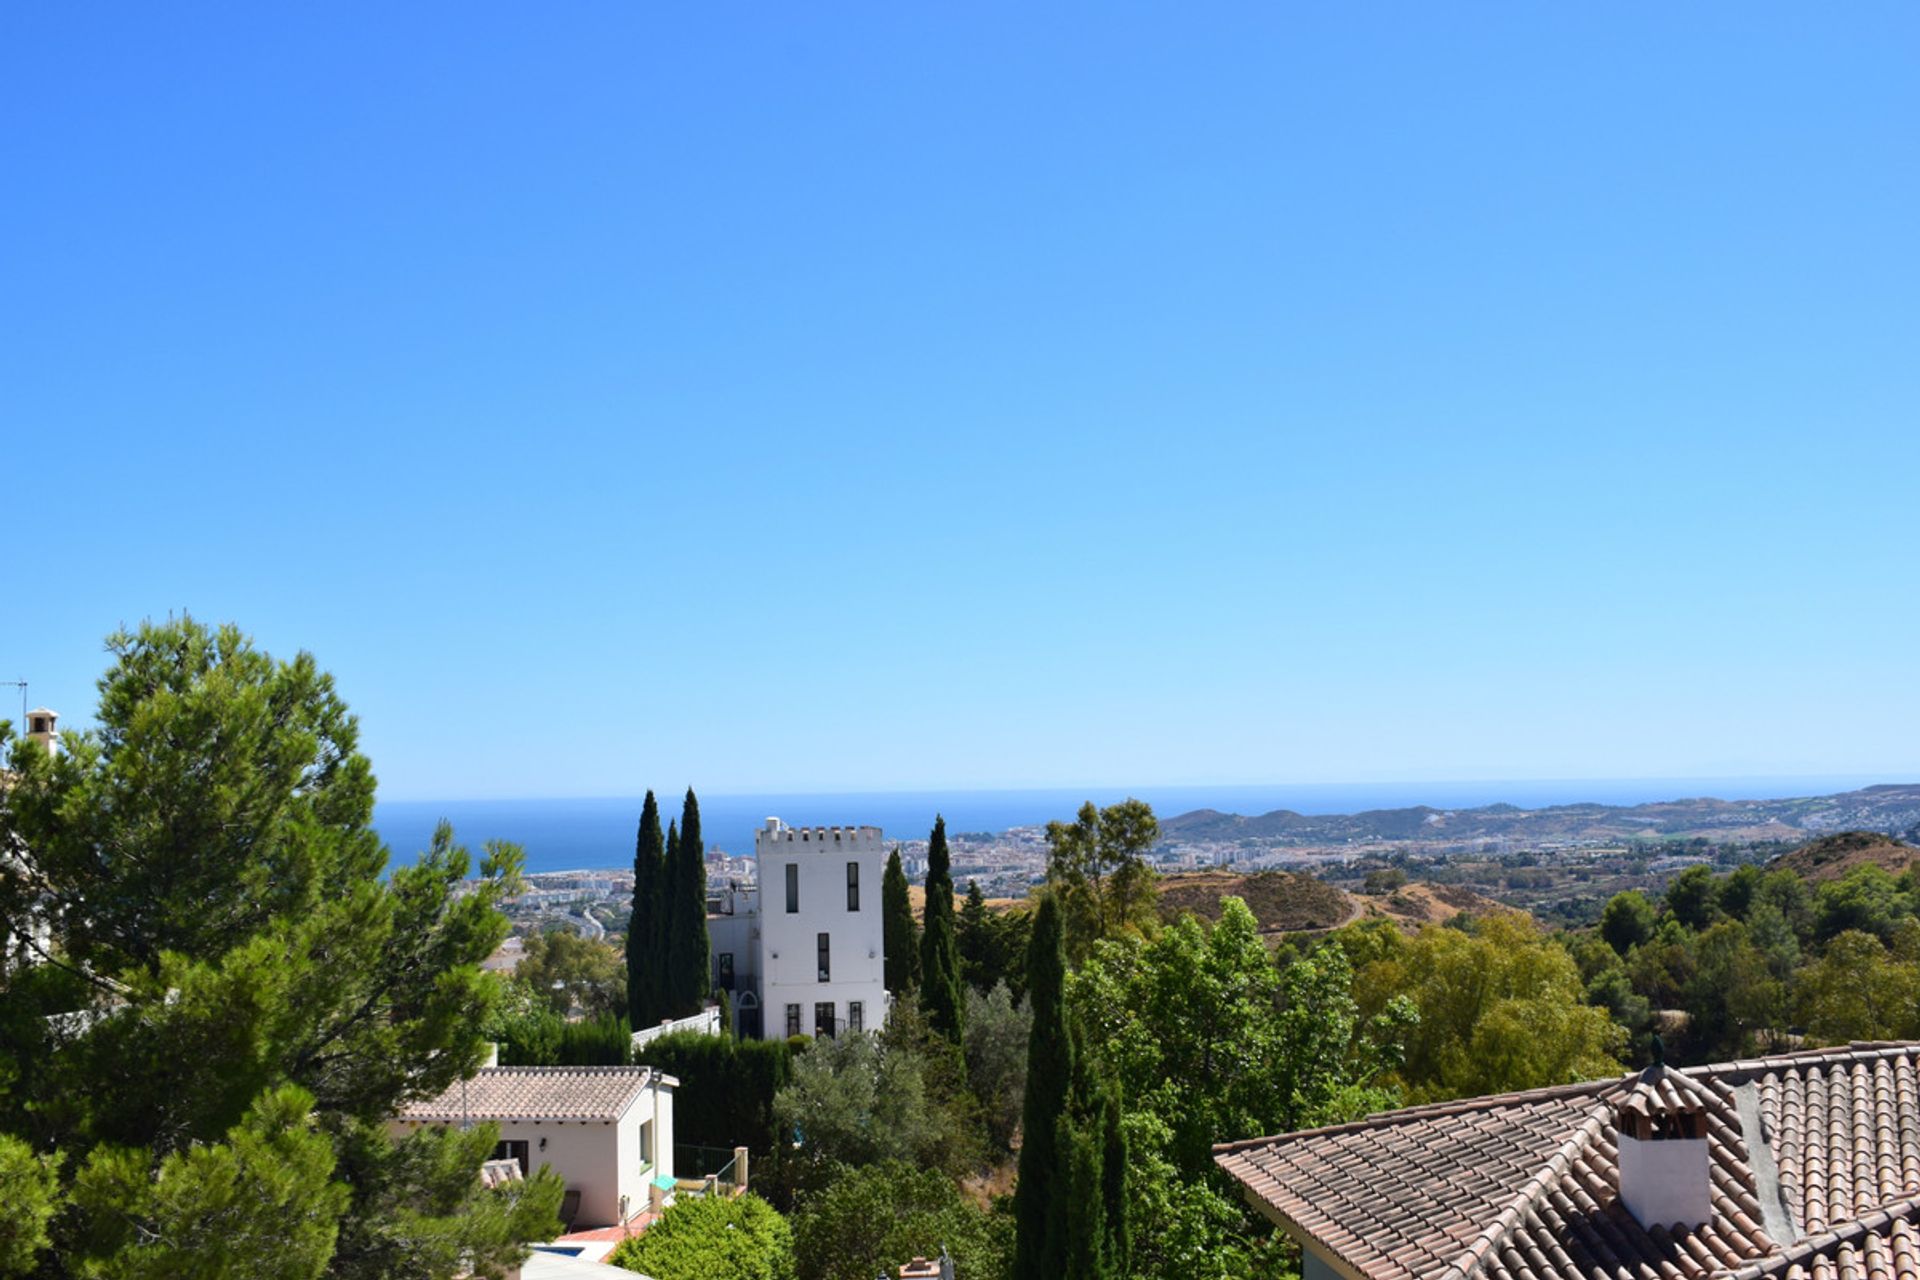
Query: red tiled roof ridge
[
  {"x": 602, "y": 1070},
  {"x": 1429, "y": 1111},
  {"x": 1852, "y": 1231},
  {"x": 1856, "y": 1051},
  {"x": 497, "y": 1093},
  {"x": 1703, "y": 1075},
  {"x": 1839, "y": 1121}
]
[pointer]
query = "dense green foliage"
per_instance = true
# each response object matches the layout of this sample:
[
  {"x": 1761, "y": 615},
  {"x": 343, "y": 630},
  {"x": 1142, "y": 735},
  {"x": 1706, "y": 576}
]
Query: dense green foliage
[
  {"x": 939, "y": 945},
  {"x": 993, "y": 945},
  {"x": 900, "y": 932},
  {"x": 858, "y": 1100},
  {"x": 572, "y": 972},
  {"x": 712, "y": 1238},
  {"x": 545, "y": 1039},
  {"x": 647, "y": 927},
  {"x": 29, "y": 1192},
  {"x": 727, "y": 1086},
  {"x": 1097, "y": 865},
  {"x": 1759, "y": 959},
  {"x": 1499, "y": 1008},
  {"x": 995, "y": 1044},
  {"x": 866, "y": 1222},
  {"x": 233, "y": 1001},
  {"x": 1277, "y": 1047}
]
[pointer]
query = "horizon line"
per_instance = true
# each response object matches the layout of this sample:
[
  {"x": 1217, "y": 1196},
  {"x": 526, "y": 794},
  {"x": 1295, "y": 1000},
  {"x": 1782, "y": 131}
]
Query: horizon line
[{"x": 1889, "y": 778}]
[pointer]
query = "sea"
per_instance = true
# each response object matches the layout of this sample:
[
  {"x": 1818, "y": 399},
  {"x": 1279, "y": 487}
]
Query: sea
[{"x": 581, "y": 834}]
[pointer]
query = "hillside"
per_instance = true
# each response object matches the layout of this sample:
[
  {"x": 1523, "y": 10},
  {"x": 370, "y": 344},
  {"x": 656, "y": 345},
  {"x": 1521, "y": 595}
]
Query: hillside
[
  {"x": 1284, "y": 902},
  {"x": 1832, "y": 857},
  {"x": 1886, "y": 809}
]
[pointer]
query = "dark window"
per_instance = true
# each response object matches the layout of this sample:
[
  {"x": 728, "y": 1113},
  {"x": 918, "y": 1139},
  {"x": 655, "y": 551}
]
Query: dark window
[
  {"x": 856, "y": 1017},
  {"x": 726, "y": 971},
  {"x": 793, "y": 888},
  {"x": 826, "y": 960},
  {"x": 823, "y": 1020},
  {"x": 793, "y": 1019},
  {"x": 853, "y": 886},
  {"x": 512, "y": 1151}
]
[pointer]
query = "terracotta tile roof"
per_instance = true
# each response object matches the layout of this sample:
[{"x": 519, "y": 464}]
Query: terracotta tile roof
[
  {"x": 1524, "y": 1186},
  {"x": 535, "y": 1093}
]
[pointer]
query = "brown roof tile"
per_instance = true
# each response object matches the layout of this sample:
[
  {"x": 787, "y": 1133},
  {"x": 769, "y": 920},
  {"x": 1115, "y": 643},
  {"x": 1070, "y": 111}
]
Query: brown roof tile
[
  {"x": 1523, "y": 1186},
  {"x": 535, "y": 1093}
]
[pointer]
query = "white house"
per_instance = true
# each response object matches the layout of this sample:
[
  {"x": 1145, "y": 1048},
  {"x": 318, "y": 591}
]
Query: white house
[
  {"x": 802, "y": 954},
  {"x": 607, "y": 1131}
]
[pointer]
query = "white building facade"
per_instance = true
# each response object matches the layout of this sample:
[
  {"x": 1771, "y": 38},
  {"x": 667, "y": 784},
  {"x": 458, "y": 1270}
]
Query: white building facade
[
  {"x": 606, "y": 1131},
  {"x": 803, "y": 953}
]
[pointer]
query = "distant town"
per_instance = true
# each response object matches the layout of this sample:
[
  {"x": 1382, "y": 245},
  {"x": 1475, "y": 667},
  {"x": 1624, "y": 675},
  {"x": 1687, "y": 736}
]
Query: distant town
[{"x": 1561, "y": 863}]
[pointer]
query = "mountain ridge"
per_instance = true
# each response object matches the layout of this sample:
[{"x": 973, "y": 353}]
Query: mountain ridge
[{"x": 1889, "y": 808}]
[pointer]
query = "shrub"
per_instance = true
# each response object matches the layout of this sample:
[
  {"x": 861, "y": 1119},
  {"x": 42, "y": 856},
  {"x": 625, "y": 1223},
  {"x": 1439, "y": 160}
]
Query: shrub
[
  {"x": 866, "y": 1222},
  {"x": 726, "y": 1089},
  {"x": 713, "y": 1238},
  {"x": 545, "y": 1040}
]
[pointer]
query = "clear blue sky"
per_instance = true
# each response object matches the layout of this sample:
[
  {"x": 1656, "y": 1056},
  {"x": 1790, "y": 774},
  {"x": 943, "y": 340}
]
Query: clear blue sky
[{"x": 854, "y": 397}]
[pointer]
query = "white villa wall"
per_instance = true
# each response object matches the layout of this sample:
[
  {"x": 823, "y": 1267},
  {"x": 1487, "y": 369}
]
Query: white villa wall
[
  {"x": 788, "y": 963},
  {"x": 706, "y": 1022},
  {"x": 598, "y": 1158},
  {"x": 736, "y": 933}
]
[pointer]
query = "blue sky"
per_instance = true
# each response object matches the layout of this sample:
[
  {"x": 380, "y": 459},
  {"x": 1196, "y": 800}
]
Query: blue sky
[{"x": 852, "y": 397}]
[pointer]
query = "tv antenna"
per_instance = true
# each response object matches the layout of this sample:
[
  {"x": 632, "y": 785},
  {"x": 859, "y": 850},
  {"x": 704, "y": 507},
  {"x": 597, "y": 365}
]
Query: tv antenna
[{"x": 21, "y": 685}]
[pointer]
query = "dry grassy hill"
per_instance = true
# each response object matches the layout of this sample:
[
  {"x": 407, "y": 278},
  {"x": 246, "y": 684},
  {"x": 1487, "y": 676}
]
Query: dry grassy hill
[
  {"x": 1286, "y": 902},
  {"x": 1281, "y": 901},
  {"x": 1832, "y": 857}
]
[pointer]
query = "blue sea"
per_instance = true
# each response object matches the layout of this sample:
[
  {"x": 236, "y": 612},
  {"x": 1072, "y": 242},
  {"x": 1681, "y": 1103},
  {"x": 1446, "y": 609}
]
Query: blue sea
[{"x": 561, "y": 835}]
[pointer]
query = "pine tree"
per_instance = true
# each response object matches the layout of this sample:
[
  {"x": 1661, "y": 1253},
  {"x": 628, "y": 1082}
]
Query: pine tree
[
  {"x": 900, "y": 934},
  {"x": 1039, "y": 1198},
  {"x": 939, "y": 948},
  {"x": 646, "y": 931},
  {"x": 695, "y": 961},
  {"x": 201, "y": 1055}
]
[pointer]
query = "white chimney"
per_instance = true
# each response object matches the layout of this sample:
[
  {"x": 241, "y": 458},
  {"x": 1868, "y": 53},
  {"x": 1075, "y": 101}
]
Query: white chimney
[{"x": 1665, "y": 1175}]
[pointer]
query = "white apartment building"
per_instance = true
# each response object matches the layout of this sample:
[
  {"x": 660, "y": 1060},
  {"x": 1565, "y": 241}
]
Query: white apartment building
[{"x": 802, "y": 953}]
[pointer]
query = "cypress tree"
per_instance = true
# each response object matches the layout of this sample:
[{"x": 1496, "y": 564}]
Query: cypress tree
[
  {"x": 646, "y": 931},
  {"x": 974, "y": 939},
  {"x": 1084, "y": 1215},
  {"x": 901, "y": 936},
  {"x": 939, "y": 948},
  {"x": 1113, "y": 1185},
  {"x": 1039, "y": 1197},
  {"x": 692, "y": 980},
  {"x": 670, "y": 925}
]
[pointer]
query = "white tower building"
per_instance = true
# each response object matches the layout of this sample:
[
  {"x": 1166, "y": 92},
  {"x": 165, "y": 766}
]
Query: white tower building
[
  {"x": 820, "y": 961},
  {"x": 40, "y": 727}
]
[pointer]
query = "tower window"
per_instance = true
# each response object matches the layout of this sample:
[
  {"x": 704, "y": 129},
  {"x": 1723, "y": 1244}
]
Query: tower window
[
  {"x": 826, "y": 960},
  {"x": 793, "y": 888},
  {"x": 853, "y": 886}
]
